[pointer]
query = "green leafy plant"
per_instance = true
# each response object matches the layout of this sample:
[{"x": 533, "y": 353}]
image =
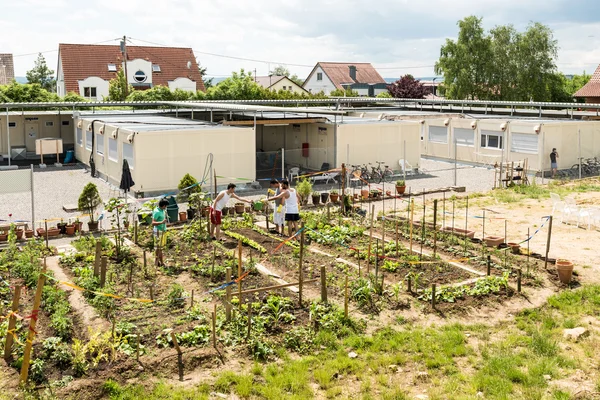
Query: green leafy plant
[
  {"x": 175, "y": 298},
  {"x": 400, "y": 183},
  {"x": 304, "y": 189},
  {"x": 246, "y": 241},
  {"x": 187, "y": 183},
  {"x": 89, "y": 200}
]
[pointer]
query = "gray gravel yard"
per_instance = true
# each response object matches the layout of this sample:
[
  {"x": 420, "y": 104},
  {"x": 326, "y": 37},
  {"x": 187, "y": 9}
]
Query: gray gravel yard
[{"x": 55, "y": 187}]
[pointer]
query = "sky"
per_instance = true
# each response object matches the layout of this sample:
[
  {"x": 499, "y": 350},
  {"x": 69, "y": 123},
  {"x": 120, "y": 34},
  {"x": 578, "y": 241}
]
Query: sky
[{"x": 397, "y": 36}]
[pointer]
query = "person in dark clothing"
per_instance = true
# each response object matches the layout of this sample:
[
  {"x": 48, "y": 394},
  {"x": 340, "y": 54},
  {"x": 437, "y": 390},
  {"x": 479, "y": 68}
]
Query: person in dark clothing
[{"x": 553, "y": 161}]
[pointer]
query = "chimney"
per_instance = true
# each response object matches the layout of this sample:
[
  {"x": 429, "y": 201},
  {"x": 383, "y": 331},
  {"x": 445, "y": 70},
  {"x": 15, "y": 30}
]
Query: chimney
[{"x": 352, "y": 69}]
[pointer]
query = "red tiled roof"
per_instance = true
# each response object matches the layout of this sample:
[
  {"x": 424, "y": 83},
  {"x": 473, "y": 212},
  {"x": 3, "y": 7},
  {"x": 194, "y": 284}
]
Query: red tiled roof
[
  {"x": 80, "y": 61},
  {"x": 592, "y": 88},
  {"x": 339, "y": 73}
]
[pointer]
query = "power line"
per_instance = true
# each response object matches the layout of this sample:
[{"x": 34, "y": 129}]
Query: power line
[{"x": 55, "y": 50}]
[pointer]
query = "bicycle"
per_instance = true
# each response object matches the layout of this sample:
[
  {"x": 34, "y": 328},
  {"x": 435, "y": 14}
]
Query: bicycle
[{"x": 382, "y": 173}]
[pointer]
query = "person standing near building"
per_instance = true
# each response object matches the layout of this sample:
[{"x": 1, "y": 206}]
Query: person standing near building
[
  {"x": 292, "y": 209},
  {"x": 159, "y": 229},
  {"x": 553, "y": 161},
  {"x": 217, "y": 207},
  {"x": 278, "y": 211}
]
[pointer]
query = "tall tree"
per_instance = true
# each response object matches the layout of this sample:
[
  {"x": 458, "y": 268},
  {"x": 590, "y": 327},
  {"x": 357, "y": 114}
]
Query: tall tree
[
  {"x": 207, "y": 82},
  {"x": 465, "y": 63},
  {"x": 118, "y": 89},
  {"x": 503, "y": 68},
  {"x": 407, "y": 87},
  {"x": 282, "y": 70},
  {"x": 41, "y": 74}
]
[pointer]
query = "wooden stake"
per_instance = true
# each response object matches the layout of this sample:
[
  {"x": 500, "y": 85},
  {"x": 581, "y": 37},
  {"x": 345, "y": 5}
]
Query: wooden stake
[
  {"x": 214, "y": 325},
  {"x": 275, "y": 287},
  {"x": 192, "y": 299},
  {"x": 370, "y": 239},
  {"x": 412, "y": 215},
  {"x": 239, "y": 268},
  {"x": 137, "y": 348},
  {"x": 32, "y": 324},
  {"x": 135, "y": 231},
  {"x": 528, "y": 250},
  {"x": 145, "y": 263},
  {"x": 519, "y": 272},
  {"x": 435, "y": 205},
  {"x": 212, "y": 269},
  {"x": 433, "y": 295},
  {"x": 228, "y": 294},
  {"x": 12, "y": 322},
  {"x": 249, "y": 320},
  {"x": 179, "y": 356},
  {"x": 103, "y": 271},
  {"x": 346, "y": 297},
  {"x": 97, "y": 259},
  {"x": 444, "y": 211},
  {"x": 323, "y": 285},
  {"x": 409, "y": 285},
  {"x": 397, "y": 249},
  {"x": 152, "y": 292},
  {"x": 489, "y": 265},
  {"x": 548, "y": 242},
  {"x": 46, "y": 233},
  {"x": 505, "y": 240},
  {"x": 466, "y": 222},
  {"x": 300, "y": 267}
]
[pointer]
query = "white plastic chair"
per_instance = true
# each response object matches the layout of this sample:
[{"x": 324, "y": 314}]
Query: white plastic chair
[
  {"x": 571, "y": 209},
  {"x": 405, "y": 167},
  {"x": 325, "y": 177},
  {"x": 557, "y": 203},
  {"x": 595, "y": 217},
  {"x": 584, "y": 213},
  {"x": 294, "y": 171}
]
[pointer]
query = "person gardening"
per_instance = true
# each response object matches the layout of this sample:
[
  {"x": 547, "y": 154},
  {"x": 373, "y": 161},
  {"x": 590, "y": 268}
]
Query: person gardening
[
  {"x": 159, "y": 229},
  {"x": 217, "y": 207},
  {"x": 553, "y": 161},
  {"x": 292, "y": 206},
  {"x": 278, "y": 211}
]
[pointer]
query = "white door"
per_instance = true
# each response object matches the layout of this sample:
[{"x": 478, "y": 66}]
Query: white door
[{"x": 32, "y": 133}]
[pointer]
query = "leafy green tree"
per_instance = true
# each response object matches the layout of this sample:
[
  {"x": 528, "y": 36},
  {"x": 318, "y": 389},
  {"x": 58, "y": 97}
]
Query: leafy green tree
[
  {"x": 25, "y": 93},
  {"x": 465, "y": 63},
  {"x": 207, "y": 82},
  {"x": 240, "y": 86},
  {"x": 41, "y": 74},
  {"x": 73, "y": 97},
  {"x": 282, "y": 70},
  {"x": 576, "y": 83},
  {"x": 503, "y": 68},
  {"x": 343, "y": 93},
  {"x": 118, "y": 89}
]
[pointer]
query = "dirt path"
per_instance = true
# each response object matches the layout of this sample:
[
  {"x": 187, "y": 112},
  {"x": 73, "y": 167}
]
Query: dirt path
[{"x": 88, "y": 314}]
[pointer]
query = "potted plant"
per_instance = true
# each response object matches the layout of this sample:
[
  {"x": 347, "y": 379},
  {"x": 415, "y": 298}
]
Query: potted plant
[
  {"x": 89, "y": 200},
  {"x": 28, "y": 233},
  {"x": 62, "y": 226},
  {"x": 304, "y": 189},
  {"x": 3, "y": 236},
  {"x": 515, "y": 247},
  {"x": 324, "y": 197},
  {"x": 183, "y": 216},
  {"x": 70, "y": 228},
  {"x": 316, "y": 196},
  {"x": 145, "y": 212},
  {"x": 188, "y": 186},
  {"x": 19, "y": 233},
  {"x": 77, "y": 224},
  {"x": 493, "y": 241},
  {"x": 334, "y": 196},
  {"x": 400, "y": 186},
  {"x": 565, "y": 270},
  {"x": 239, "y": 208},
  {"x": 374, "y": 194},
  {"x": 364, "y": 193}
]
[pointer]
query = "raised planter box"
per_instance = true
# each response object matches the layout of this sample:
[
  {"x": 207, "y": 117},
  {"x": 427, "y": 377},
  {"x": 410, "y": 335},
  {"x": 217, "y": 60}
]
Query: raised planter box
[
  {"x": 459, "y": 232},
  {"x": 493, "y": 241}
]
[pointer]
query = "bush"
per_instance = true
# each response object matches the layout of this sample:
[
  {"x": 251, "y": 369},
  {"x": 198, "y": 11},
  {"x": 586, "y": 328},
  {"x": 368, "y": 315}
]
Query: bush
[
  {"x": 185, "y": 182},
  {"x": 176, "y": 299},
  {"x": 89, "y": 200}
]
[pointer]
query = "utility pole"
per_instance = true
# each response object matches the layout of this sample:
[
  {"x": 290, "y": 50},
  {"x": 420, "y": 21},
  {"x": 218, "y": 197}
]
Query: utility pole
[{"x": 124, "y": 53}]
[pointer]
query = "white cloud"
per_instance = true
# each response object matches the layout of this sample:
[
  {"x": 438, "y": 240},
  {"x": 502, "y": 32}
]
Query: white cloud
[{"x": 388, "y": 33}]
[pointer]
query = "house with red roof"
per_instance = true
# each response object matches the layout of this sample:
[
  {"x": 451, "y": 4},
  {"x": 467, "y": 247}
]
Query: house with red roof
[
  {"x": 360, "y": 77},
  {"x": 591, "y": 90},
  {"x": 87, "y": 69}
]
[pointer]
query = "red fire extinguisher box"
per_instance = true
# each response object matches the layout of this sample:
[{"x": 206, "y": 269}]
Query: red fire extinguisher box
[{"x": 304, "y": 149}]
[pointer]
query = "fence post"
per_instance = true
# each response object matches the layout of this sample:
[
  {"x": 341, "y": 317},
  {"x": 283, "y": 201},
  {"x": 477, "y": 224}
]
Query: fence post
[
  {"x": 228, "y": 294},
  {"x": 103, "y": 271},
  {"x": 12, "y": 322},
  {"x": 548, "y": 242},
  {"x": 433, "y": 295},
  {"x": 489, "y": 265},
  {"x": 323, "y": 285},
  {"x": 32, "y": 323}
]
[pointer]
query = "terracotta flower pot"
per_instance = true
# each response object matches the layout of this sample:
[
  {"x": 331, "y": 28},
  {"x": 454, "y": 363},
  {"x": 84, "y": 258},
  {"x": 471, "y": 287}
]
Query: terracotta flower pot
[
  {"x": 70, "y": 229},
  {"x": 78, "y": 226},
  {"x": 364, "y": 193},
  {"x": 334, "y": 197},
  {"x": 183, "y": 216},
  {"x": 493, "y": 241},
  {"x": 515, "y": 248},
  {"x": 29, "y": 233},
  {"x": 400, "y": 189},
  {"x": 19, "y": 233},
  {"x": 239, "y": 208},
  {"x": 3, "y": 237},
  {"x": 565, "y": 270},
  {"x": 53, "y": 232},
  {"x": 459, "y": 231},
  {"x": 41, "y": 232}
]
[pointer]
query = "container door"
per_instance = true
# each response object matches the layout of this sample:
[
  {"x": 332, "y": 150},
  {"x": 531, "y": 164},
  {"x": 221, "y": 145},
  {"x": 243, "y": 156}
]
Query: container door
[{"x": 32, "y": 133}]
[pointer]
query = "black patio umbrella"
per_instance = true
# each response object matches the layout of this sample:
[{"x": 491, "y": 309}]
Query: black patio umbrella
[{"x": 126, "y": 179}]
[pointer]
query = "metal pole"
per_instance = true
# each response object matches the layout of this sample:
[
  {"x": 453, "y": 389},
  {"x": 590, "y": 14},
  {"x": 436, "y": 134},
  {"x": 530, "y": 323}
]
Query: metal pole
[
  {"x": 32, "y": 201},
  {"x": 8, "y": 136},
  {"x": 543, "y": 157},
  {"x": 282, "y": 163},
  {"x": 404, "y": 158},
  {"x": 454, "y": 161},
  {"x": 579, "y": 146}
]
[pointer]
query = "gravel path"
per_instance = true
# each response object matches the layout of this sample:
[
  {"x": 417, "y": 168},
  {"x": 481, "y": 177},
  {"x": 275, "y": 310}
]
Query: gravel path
[{"x": 54, "y": 187}]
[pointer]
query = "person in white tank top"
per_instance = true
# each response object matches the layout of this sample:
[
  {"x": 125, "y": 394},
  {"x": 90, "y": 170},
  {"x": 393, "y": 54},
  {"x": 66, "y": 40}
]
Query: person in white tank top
[
  {"x": 217, "y": 208},
  {"x": 292, "y": 209}
]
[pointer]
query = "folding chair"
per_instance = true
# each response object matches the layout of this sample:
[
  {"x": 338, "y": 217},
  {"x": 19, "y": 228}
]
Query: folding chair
[
  {"x": 294, "y": 171},
  {"x": 405, "y": 167},
  {"x": 571, "y": 209},
  {"x": 557, "y": 203}
]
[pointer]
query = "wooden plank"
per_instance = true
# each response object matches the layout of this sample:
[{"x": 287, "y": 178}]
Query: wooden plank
[{"x": 267, "y": 288}]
